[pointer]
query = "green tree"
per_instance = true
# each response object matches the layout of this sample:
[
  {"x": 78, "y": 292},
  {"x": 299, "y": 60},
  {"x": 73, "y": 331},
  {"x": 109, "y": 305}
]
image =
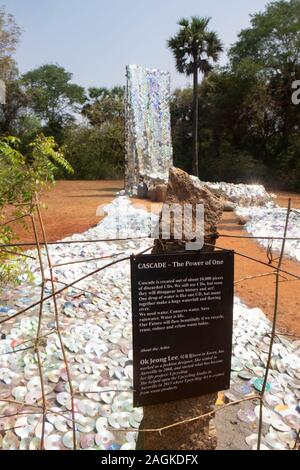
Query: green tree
[
  {"x": 21, "y": 177},
  {"x": 104, "y": 105},
  {"x": 95, "y": 152},
  {"x": 268, "y": 53},
  {"x": 9, "y": 37},
  {"x": 15, "y": 103},
  {"x": 272, "y": 43},
  {"x": 230, "y": 151},
  {"x": 195, "y": 48},
  {"x": 53, "y": 98},
  {"x": 181, "y": 108},
  {"x": 270, "y": 48},
  {"x": 251, "y": 127}
]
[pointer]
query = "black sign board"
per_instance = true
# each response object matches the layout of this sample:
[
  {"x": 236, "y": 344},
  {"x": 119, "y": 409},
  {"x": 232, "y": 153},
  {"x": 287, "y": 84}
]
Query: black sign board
[{"x": 182, "y": 310}]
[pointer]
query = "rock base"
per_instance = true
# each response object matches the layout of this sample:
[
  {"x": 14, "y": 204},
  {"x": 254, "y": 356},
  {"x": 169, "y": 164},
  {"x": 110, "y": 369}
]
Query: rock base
[{"x": 195, "y": 435}]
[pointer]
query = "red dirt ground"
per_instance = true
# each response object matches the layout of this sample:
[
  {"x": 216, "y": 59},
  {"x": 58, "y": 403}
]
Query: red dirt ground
[{"x": 71, "y": 208}]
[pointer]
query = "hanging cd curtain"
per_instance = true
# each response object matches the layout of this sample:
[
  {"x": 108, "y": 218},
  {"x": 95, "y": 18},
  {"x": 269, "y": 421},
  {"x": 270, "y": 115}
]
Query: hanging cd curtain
[{"x": 149, "y": 153}]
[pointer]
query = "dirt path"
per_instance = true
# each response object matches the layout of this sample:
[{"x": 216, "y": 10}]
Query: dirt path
[
  {"x": 282, "y": 199},
  {"x": 260, "y": 292},
  {"x": 71, "y": 208}
]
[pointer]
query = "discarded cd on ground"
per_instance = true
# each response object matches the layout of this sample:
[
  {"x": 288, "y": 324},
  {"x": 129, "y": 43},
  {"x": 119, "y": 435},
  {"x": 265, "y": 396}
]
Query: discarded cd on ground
[
  {"x": 258, "y": 385},
  {"x": 247, "y": 416},
  {"x": 52, "y": 442}
]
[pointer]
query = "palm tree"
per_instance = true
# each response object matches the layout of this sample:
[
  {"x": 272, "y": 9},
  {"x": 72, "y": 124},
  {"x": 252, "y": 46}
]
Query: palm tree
[{"x": 194, "y": 47}]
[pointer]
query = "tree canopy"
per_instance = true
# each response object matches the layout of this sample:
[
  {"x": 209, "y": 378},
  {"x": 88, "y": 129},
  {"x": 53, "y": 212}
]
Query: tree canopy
[
  {"x": 9, "y": 37},
  {"x": 251, "y": 126},
  {"x": 195, "y": 48},
  {"x": 272, "y": 44},
  {"x": 52, "y": 96},
  {"x": 21, "y": 177},
  {"x": 104, "y": 105}
]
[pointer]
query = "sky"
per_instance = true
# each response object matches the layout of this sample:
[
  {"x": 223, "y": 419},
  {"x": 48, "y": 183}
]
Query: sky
[{"x": 96, "y": 39}]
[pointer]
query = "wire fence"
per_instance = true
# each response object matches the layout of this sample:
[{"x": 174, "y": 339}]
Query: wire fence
[{"x": 40, "y": 242}]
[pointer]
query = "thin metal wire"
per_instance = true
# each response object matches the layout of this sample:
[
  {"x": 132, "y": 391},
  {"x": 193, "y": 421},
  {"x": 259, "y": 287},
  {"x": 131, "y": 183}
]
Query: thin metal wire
[
  {"x": 50, "y": 266},
  {"x": 249, "y": 278},
  {"x": 21, "y": 204},
  {"x": 87, "y": 291},
  {"x": 17, "y": 253},
  {"x": 274, "y": 323},
  {"x": 88, "y": 260},
  {"x": 42, "y": 409},
  {"x": 15, "y": 219},
  {"x": 297, "y": 441},
  {"x": 62, "y": 289},
  {"x": 296, "y": 212},
  {"x": 258, "y": 237},
  {"x": 190, "y": 420},
  {"x": 270, "y": 251},
  {"x": 289, "y": 280},
  {"x": 73, "y": 242},
  {"x": 78, "y": 242},
  {"x": 14, "y": 350},
  {"x": 62, "y": 346},
  {"x": 271, "y": 266},
  {"x": 37, "y": 343}
]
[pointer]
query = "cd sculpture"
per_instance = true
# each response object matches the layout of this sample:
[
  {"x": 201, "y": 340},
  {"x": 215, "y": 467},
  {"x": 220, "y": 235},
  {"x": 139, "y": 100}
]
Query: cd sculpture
[{"x": 148, "y": 129}]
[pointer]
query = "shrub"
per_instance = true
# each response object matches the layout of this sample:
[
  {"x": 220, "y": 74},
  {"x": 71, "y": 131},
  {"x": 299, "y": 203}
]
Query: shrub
[{"x": 21, "y": 177}]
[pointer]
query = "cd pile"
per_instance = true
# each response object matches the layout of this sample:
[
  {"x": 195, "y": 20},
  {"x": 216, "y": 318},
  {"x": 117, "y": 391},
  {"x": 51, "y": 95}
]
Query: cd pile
[
  {"x": 281, "y": 411},
  {"x": 270, "y": 221},
  {"x": 244, "y": 195},
  {"x": 95, "y": 323},
  {"x": 266, "y": 218}
]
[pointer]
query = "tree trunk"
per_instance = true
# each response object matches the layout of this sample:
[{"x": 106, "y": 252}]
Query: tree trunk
[{"x": 195, "y": 124}]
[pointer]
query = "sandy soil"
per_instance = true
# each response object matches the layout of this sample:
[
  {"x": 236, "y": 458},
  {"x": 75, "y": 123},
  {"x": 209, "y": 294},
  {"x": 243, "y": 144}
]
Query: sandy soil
[
  {"x": 260, "y": 292},
  {"x": 71, "y": 207},
  {"x": 283, "y": 197}
]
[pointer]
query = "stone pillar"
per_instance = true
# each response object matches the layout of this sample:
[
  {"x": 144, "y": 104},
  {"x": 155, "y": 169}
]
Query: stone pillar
[{"x": 200, "y": 434}]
